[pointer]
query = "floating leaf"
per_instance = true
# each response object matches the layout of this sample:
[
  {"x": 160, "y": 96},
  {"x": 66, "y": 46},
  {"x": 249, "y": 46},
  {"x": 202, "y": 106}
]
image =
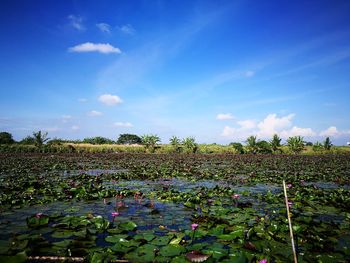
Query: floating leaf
[
  {"x": 171, "y": 250},
  {"x": 128, "y": 226}
]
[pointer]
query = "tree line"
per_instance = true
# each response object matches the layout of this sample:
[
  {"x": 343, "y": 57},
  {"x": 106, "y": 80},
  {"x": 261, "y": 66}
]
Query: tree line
[{"x": 151, "y": 142}]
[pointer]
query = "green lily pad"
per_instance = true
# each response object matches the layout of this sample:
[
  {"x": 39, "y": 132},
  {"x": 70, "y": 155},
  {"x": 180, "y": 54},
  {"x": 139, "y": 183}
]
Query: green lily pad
[
  {"x": 128, "y": 226},
  {"x": 161, "y": 241},
  {"x": 62, "y": 233},
  {"x": 115, "y": 238},
  {"x": 18, "y": 258},
  {"x": 171, "y": 250},
  {"x": 63, "y": 244},
  {"x": 37, "y": 221},
  {"x": 144, "y": 236}
]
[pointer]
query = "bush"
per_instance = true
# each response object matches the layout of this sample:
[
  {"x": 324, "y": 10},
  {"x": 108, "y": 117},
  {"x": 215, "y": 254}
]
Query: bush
[
  {"x": 6, "y": 138},
  {"x": 98, "y": 140},
  {"x": 127, "y": 138}
]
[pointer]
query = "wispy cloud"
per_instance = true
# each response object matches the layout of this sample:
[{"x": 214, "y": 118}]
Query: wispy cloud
[
  {"x": 95, "y": 47},
  {"x": 154, "y": 52},
  {"x": 66, "y": 118},
  {"x": 110, "y": 100},
  {"x": 76, "y": 22},
  {"x": 123, "y": 124},
  {"x": 127, "y": 29},
  {"x": 104, "y": 27},
  {"x": 75, "y": 128},
  {"x": 94, "y": 113},
  {"x": 249, "y": 73},
  {"x": 224, "y": 116},
  {"x": 82, "y": 100}
]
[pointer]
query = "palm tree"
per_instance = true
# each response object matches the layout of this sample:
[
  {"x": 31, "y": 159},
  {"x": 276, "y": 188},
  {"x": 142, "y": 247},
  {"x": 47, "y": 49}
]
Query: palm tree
[
  {"x": 150, "y": 141},
  {"x": 175, "y": 142},
  {"x": 252, "y": 144},
  {"x": 40, "y": 138},
  {"x": 296, "y": 144},
  {"x": 190, "y": 144},
  {"x": 276, "y": 143},
  {"x": 317, "y": 147}
]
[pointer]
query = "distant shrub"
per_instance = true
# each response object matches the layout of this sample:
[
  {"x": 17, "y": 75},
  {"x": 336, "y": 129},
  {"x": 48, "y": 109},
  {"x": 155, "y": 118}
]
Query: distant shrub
[
  {"x": 98, "y": 140},
  {"x": 127, "y": 138}
]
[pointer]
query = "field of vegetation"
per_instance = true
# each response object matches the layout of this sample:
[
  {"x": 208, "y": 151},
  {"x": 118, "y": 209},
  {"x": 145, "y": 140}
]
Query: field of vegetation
[{"x": 178, "y": 207}]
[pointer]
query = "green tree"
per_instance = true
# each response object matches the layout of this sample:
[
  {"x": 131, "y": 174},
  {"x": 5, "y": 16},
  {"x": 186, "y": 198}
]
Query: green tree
[
  {"x": 276, "y": 143},
  {"x": 296, "y": 144},
  {"x": 6, "y": 138},
  {"x": 175, "y": 143},
  {"x": 190, "y": 144},
  {"x": 150, "y": 141},
  {"x": 317, "y": 147},
  {"x": 263, "y": 147},
  {"x": 98, "y": 140},
  {"x": 327, "y": 144},
  {"x": 29, "y": 140},
  {"x": 238, "y": 147},
  {"x": 252, "y": 146},
  {"x": 40, "y": 138},
  {"x": 127, "y": 138}
]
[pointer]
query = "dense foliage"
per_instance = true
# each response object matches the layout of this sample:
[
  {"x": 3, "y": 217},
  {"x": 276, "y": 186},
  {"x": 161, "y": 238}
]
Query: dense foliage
[
  {"x": 127, "y": 138},
  {"x": 6, "y": 138}
]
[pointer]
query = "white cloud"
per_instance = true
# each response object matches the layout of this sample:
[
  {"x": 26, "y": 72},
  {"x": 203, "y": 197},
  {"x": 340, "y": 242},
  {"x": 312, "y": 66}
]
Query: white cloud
[
  {"x": 273, "y": 124},
  {"x": 332, "y": 131},
  {"x": 82, "y": 100},
  {"x": 297, "y": 131},
  {"x": 95, "y": 47},
  {"x": 76, "y": 22},
  {"x": 266, "y": 128},
  {"x": 110, "y": 100},
  {"x": 224, "y": 116},
  {"x": 104, "y": 27},
  {"x": 127, "y": 29},
  {"x": 247, "y": 124},
  {"x": 123, "y": 124},
  {"x": 75, "y": 127},
  {"x": 235, "y": 133},
  {"x": 249, "y": 74},
  {"x": 94, "y": 113}
]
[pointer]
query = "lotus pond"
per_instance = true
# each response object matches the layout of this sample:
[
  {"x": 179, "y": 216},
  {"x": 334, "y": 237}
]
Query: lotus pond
[{"x": 173, "y": 208}]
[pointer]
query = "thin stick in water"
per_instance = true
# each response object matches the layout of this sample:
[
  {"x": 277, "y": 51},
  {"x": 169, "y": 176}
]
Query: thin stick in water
[{"x": 290, "y": 223}]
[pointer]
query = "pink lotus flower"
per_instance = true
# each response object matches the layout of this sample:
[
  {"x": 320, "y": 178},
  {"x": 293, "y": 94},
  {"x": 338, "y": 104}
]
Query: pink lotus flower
[
  {"x": 194, "y": 226},
  {"x": 114, "y": 214},
  {"x": 236, "y": 196},
  {"x": 263, "y": 260},
  {"x": 289, "y": 185},
  {"x": 38, "y": 215},
  {"x": 290, "y": 204}
]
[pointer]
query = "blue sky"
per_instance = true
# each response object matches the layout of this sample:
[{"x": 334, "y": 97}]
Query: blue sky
[{"x": 216, "y": 70}]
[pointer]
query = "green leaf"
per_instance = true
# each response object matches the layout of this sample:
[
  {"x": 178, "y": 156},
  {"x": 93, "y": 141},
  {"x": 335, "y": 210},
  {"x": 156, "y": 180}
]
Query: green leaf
[
  {"x": 161, "y": 241},
  {"x": 171, "y": 250},
  {"x": 128, "y": 226},
  {"x": 62, "y": 233},
  {"x": 18, "y": 258},
  {"x": 64, "y": 244},
  {"x": 115, "y": 238}
]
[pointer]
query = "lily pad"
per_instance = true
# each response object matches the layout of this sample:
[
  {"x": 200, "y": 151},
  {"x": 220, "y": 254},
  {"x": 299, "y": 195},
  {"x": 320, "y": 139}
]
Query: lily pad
[
  {"x": 128, "y": 226},
  {"x": 171, "y": 250}
]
